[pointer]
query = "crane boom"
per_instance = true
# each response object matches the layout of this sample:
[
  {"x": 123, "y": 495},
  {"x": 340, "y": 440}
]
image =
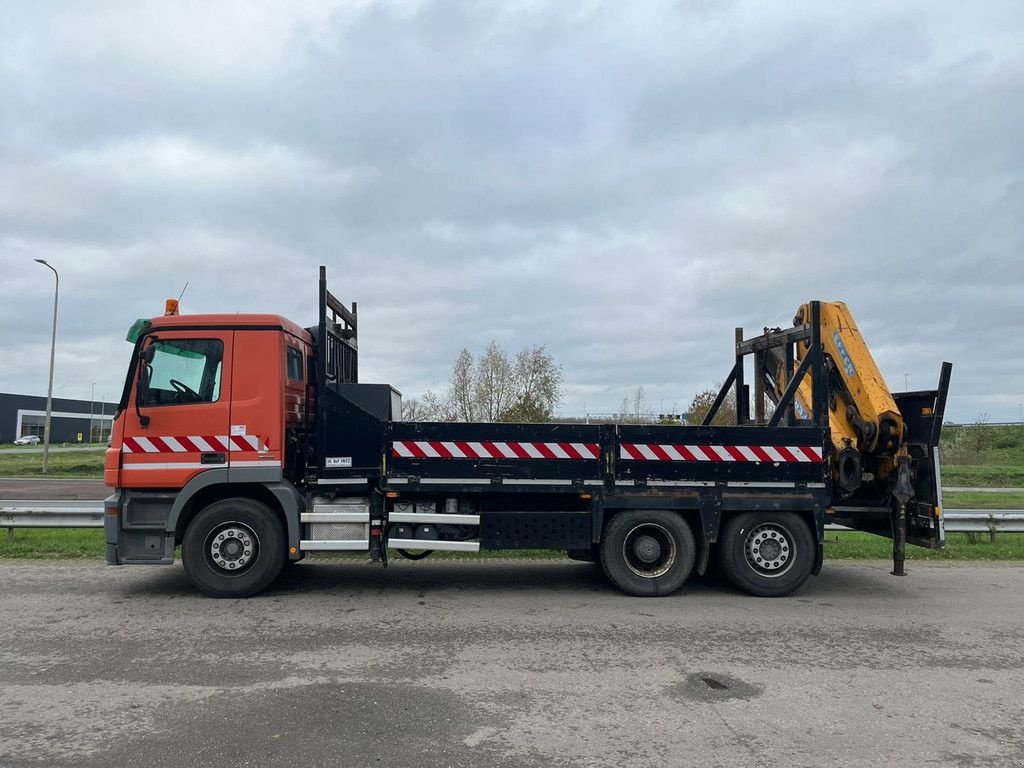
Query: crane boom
[{"x": 864, "y": 419}]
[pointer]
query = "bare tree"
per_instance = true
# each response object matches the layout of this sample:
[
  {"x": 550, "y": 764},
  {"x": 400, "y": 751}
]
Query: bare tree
[
  {"x": 435, "y": 408},
  {"x": 539, "y": 386},
  {"x": 493, "y": 388},
  {"x": 412, "y": 410},
  {"x": 634, "y": 410},
  {"x": 494, "y": 383},
  {"x": 461, "y": 389}
]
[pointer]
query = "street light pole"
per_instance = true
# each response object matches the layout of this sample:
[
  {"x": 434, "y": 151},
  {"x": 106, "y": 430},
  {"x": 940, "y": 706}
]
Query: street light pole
[
  {"x": 92, "y": 409},
  {"x": 53, "y": 349}
]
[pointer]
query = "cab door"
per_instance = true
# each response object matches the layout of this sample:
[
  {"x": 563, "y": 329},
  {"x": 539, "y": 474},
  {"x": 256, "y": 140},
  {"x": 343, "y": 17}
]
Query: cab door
[
  {"x": 177, "y": 422},
  {"x": 257, "y": 406}
]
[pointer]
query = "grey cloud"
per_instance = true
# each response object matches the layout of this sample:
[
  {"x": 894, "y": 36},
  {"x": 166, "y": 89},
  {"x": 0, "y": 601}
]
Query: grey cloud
[{"x": 624, "y": 183}]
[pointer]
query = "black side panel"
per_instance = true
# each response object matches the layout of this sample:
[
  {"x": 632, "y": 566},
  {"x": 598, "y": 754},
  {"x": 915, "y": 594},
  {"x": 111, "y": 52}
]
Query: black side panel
[
  {"x": 352, "y": 439},
  {"x": 922, "y": 415},
  {"x": 724, "y": 454},
  {"x": 375, "y": 399},
  {"x": 535, "y": 530}
]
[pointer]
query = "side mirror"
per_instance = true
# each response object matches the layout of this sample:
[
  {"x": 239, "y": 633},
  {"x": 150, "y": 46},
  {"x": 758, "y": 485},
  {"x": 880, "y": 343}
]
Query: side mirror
[{"x": 142, "y": 382}]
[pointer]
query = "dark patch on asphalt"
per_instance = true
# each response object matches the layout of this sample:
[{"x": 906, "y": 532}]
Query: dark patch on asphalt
[
  {"x": 997, "y": 745},
  {"x": 315, "y": 724},
  {"x": 712, "y": 687}
]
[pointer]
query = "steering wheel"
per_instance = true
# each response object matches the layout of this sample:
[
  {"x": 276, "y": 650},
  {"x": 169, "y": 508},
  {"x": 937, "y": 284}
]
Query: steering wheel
[{"x": 184, "y": 389}]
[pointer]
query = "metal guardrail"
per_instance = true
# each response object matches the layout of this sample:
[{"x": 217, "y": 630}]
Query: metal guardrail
[
  {"x": 63, "y": 514},
  {"x": 89, "y": 514},
  {"x": 991, "y": 521}
]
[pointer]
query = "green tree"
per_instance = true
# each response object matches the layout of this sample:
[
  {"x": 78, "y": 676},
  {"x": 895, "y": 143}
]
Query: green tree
[{"x": 702, "y": 403}]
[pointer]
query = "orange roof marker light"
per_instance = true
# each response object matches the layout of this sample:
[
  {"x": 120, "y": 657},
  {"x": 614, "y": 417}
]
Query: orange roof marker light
[{"x": 171, "y": 306}]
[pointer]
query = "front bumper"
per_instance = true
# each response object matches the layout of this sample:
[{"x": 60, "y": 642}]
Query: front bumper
[{"x": 135, "y": 528}]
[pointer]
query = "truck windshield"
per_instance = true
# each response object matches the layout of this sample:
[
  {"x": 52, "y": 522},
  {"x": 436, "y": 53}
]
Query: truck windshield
[{"x": 184, "y": 371}]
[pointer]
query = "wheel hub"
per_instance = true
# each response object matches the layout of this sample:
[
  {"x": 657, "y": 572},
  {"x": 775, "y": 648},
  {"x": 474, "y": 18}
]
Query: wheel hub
[
  {"x": 233, "y": 547},
  {"x": 769, "y": 549},
  {"x": 649, "y": 550}
]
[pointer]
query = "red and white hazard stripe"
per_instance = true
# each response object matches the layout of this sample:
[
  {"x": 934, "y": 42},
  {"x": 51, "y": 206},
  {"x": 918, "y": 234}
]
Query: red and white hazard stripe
[
  {"x": 486, "y": 449},
  {"x": 195, "y": 444},
  {"x": 755, "y": 453}
]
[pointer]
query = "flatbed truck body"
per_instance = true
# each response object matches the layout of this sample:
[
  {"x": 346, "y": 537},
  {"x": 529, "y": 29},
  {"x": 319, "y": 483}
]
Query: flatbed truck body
[{"x": 251, "y": 442}]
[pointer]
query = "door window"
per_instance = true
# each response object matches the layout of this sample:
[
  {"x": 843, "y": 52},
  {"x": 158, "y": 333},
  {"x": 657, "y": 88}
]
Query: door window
[{"x": 184, "y": 371}]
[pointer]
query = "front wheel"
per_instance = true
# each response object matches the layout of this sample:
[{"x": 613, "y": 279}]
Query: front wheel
[
  {"x": 647, "y": 553},
  {"x": 767, "y": 554},
  {"x": 234, "y": 548}
]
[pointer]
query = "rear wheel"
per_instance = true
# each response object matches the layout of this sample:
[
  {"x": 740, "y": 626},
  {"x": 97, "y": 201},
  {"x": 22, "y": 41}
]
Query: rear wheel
[
  {"x": 647, "y": 553},
  {"x": 234, "y": 548},
  {"x": 768, "y": 555},
  {"x": 415, "y": 554}
]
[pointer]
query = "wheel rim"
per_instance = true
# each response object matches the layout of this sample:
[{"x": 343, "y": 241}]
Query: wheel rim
[
  {"x": 232, "y": 548},
  {"x": 770, "y": 550},
  {"x": 649, "y": 550}
]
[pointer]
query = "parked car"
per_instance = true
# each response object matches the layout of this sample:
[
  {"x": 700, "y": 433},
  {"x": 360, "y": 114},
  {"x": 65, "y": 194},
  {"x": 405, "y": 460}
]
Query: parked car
[{"x": 27, "y": 440}]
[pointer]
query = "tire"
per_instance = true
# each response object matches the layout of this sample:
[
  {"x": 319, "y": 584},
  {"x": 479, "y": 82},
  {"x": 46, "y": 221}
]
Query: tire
[
  {"x": 647, "y": 553},
  {"x": 234, "y": 548},
  {"x": 415, "y": 554},
  {"x": 767, "y": 554},
  {"x": 591, "y": 555}
]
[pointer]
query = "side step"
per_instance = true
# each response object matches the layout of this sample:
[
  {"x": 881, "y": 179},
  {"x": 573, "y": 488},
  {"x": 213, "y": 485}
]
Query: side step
[
  {"x": 346, "y": 528},
  {"x": 416, "y": 517},
  {"x": 435, "y": 544},
  {"x": 338, "y": 527}
]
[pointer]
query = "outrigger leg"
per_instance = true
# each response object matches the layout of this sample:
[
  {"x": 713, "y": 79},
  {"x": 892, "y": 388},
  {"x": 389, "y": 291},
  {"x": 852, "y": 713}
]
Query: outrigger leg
[{"x": 902, "y": 493}]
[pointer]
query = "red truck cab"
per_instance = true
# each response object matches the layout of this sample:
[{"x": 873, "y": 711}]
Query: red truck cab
[{"x": 212, "y": 404}]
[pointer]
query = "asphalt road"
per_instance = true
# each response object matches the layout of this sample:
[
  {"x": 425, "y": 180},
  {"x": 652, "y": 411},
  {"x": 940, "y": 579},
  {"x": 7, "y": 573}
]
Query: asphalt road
[
  {"x": 56, "y": 488},
  {"x": 447, "y": 663}
]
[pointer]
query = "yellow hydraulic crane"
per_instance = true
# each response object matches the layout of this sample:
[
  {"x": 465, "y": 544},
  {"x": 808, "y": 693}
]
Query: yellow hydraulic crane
[{"x": 863, "y": 416}]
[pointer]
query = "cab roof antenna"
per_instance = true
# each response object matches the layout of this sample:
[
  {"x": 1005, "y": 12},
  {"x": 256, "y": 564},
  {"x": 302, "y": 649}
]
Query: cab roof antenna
[{"x": 171, "y": 306}]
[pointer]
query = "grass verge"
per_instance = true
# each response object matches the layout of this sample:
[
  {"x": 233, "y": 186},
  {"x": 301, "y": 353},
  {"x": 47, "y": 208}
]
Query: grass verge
[
  {"x": 83, "y": 462},
  {"x": 853, "y": 545},
  {"x": 53, "y": 543},
  {"x": 974, "y": 500},
  {"x": 988, "y": 475}
]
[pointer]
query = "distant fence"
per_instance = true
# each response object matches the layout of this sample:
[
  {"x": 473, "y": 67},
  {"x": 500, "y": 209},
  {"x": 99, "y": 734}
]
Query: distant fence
[
  {"x": 986, "y": 424},
  {"x": 89, "y": 514}
]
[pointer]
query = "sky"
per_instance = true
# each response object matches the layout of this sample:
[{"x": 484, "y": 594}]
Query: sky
[{"x": 624, "y": 183}]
